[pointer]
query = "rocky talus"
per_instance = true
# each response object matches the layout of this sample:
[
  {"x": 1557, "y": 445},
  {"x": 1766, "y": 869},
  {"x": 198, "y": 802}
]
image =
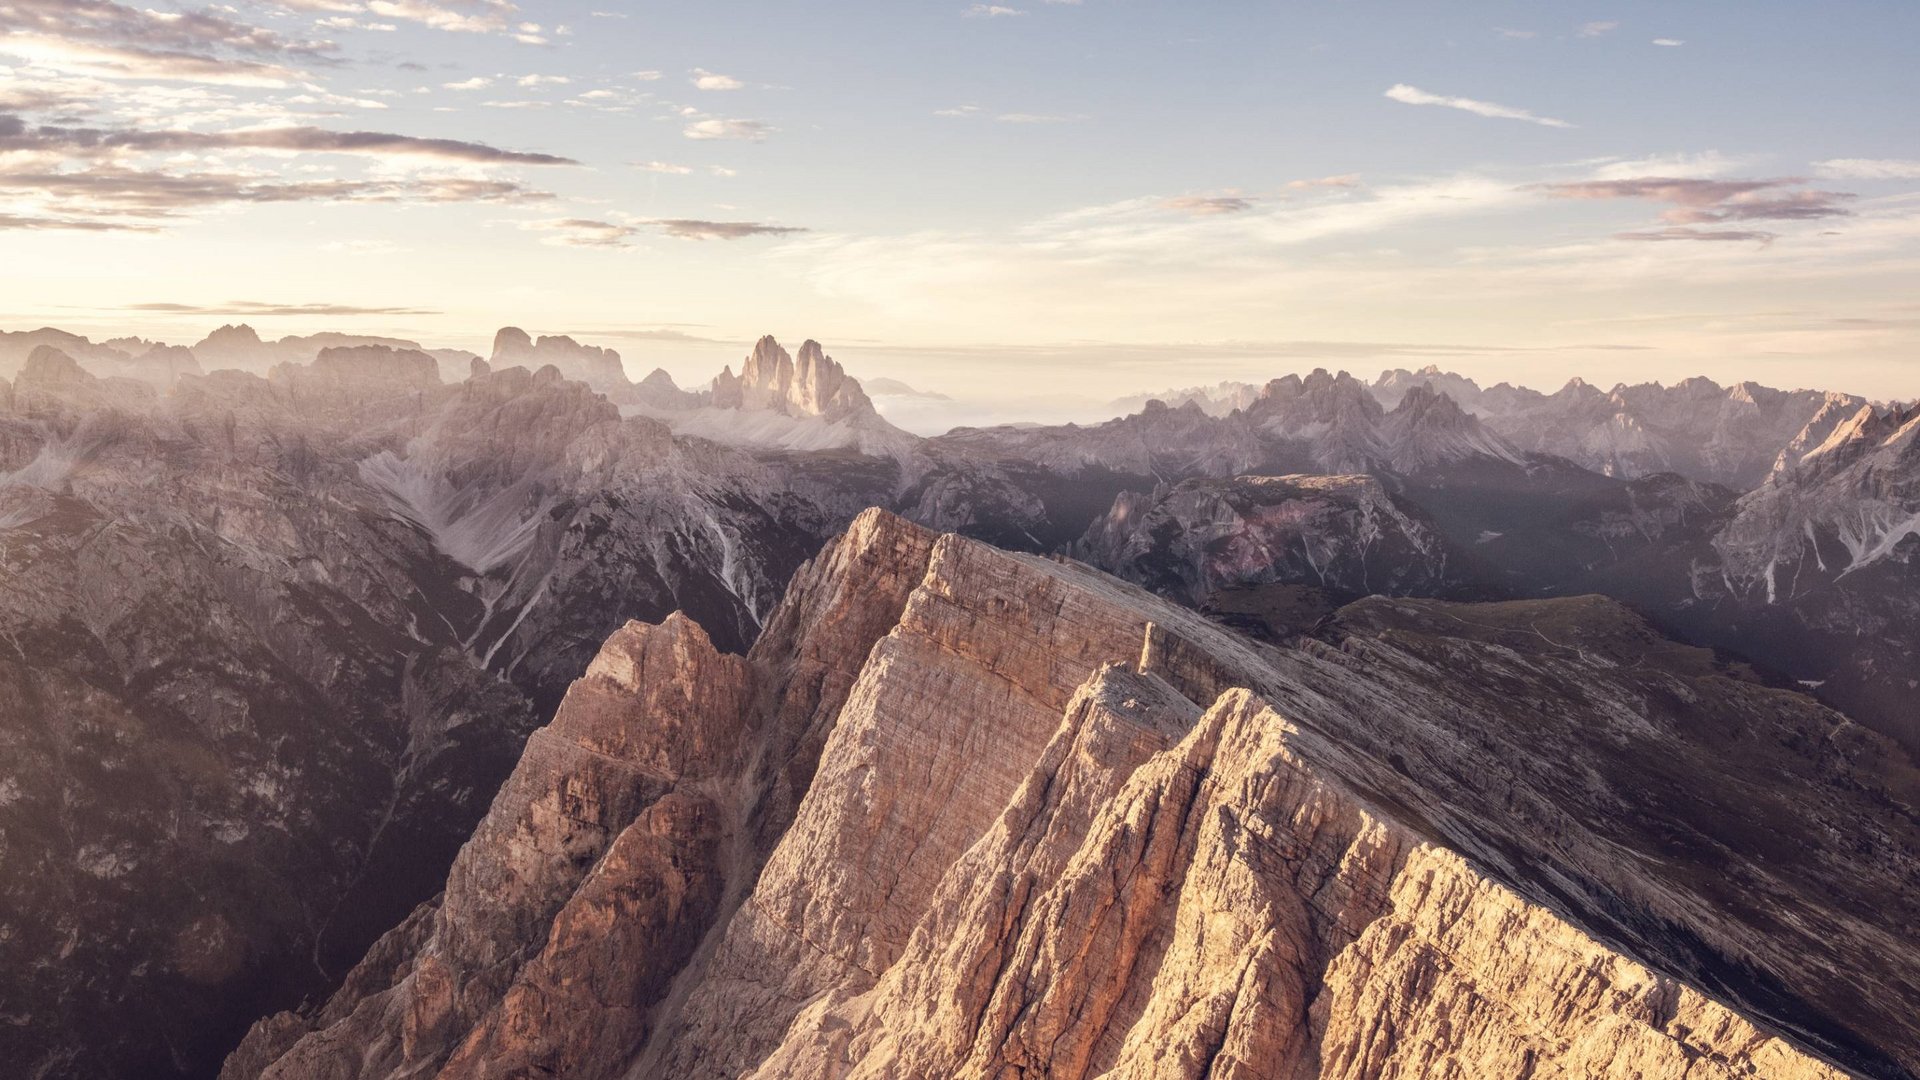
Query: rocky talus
[{"x": 962, "y": 812}]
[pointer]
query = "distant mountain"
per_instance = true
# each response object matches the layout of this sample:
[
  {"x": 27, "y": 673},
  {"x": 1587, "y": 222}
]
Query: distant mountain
[
  {"x": 1823, "y": 564},
  {"x": 884, "y": 387},
  {"x": 1696, "y": 427},
  {"x": 1216, "y": 400}
]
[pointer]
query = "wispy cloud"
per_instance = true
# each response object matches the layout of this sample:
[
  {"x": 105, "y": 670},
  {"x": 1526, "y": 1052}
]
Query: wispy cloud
[
  {"x": 1684, "y": 232},
  {"x": 1206, "y": 205},
  {"x": 27, "y": 222},
  {"x": 1701, "y": 201},
  {"x": 584, "y": 232},
  {"x": 1344, "y": 180},
  {"x": 1413, "y": 95},
  {"x": 257, "y": 308},
  {"x": 1669, "y": 43},
  {"x": 459, "y": 16},
  {"x": 15, "y": 135},
  {"x": 666, "y": 167},
  {"x": 1868, "y": 169},
  {"x": 713, "y": 80},
  {"x": 991, "y": 11},
  {"x": 1598, "y": 29},
  {"x": 693, "y": 229},
  {"x": 724, "y": 128}
]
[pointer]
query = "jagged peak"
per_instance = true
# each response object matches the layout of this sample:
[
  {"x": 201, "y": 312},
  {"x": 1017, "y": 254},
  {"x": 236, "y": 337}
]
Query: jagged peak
[
  {"x": 511, "y": 339},
  {"x": 48, "y": 365},
  {"x": 232, "y": 334}
]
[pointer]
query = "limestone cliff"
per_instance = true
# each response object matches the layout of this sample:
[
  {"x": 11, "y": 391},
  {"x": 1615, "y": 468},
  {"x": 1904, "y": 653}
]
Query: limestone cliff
[{"x": 967, "y": 813}]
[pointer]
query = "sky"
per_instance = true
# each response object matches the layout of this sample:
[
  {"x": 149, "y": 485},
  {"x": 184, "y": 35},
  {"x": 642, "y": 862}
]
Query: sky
[{"x": 1025, "y": 204}]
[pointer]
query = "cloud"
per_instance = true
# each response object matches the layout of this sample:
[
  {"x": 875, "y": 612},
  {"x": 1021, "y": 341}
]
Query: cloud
[
  {"x": 28, "y": 222},
  {"x": 258, "y": 308},
  {"x": 1413, "y": 95},
  {"x": 476, "y": 83},
  {"x": 1667, "y": 42},
  {"x": 131, "y": 198},
  {"x": 110, "y": 40},
  {"x": 1208, "y": 205},
  {"x": 131, "y": 62},
  {"x": 990, "y": 11},
  {"x": 1683, "y": 232},
  {"x": 1702, "y": 201},
  {"x": 585, "y": 232},
  {"x": 1868, "y": 169},
  {"x": 204, "y": 32},
  {"x": 690, "y": 229},
  {"x": 666, "y": 167},
  {"x": 1515, "y": 35},
  {"x": 543, "y": 80},
  {"x": 958, "y": 110},
  {"x": 1344, "y": 180},
  {"x": 15, "y": 135},
  {"x": 718, "y": 128},
  {"x": 713, "y": 80},
  {"x": 1598, "y": 29},
  {"x": 459, "y": 16}
]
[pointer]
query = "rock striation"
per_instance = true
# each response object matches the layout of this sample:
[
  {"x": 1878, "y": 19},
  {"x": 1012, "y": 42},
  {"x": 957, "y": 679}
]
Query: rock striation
[{"x": 962, "y": 812}]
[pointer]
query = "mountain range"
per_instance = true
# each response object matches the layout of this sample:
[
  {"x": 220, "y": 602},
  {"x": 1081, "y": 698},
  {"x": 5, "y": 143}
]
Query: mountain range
[{"x": 502, "y": 715}]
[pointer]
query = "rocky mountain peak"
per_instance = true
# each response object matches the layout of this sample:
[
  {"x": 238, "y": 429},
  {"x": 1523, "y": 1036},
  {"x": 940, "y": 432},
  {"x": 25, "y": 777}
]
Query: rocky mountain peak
[
  {"x": 511, "y": 341},
  {"x": 370, "y": 369},
  {"x": 837, "y": 882},
  {"x": 1429, "y": 428},
  {"x": 51, "y": 382},
  {"x": 230, "y": 334},
  {"x": 47, "y": 368},
  {"x": 597, "y": 367},
  {"x": 811, "y": 385}
]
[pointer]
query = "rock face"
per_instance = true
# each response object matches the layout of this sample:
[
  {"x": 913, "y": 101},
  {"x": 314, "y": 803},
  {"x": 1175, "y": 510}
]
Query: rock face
[
  {"x": 1821, "y": 564},
  {"x": 597, "y": 367},
  {"x": 1341, "y": 533},
  {"x": 967, "y": 813},
  {"x": 772, "y": 381},
  {"x": 280, "y": 640},
  {"x": 1730, "y": 435}
]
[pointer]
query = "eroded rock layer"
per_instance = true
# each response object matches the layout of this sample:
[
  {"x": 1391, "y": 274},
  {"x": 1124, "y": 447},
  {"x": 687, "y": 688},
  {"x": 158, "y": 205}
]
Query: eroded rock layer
[{"x": 967, "y": 813}]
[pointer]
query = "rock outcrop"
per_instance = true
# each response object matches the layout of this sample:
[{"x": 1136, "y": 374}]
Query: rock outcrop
[
  {"x": 770, "y": 380},
  {"x": 1820, "y": 567},
  {"x": 967, "y": 813},
  {"x": 1201, "y": 537},
  {"x": 597, "y": 367}
]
